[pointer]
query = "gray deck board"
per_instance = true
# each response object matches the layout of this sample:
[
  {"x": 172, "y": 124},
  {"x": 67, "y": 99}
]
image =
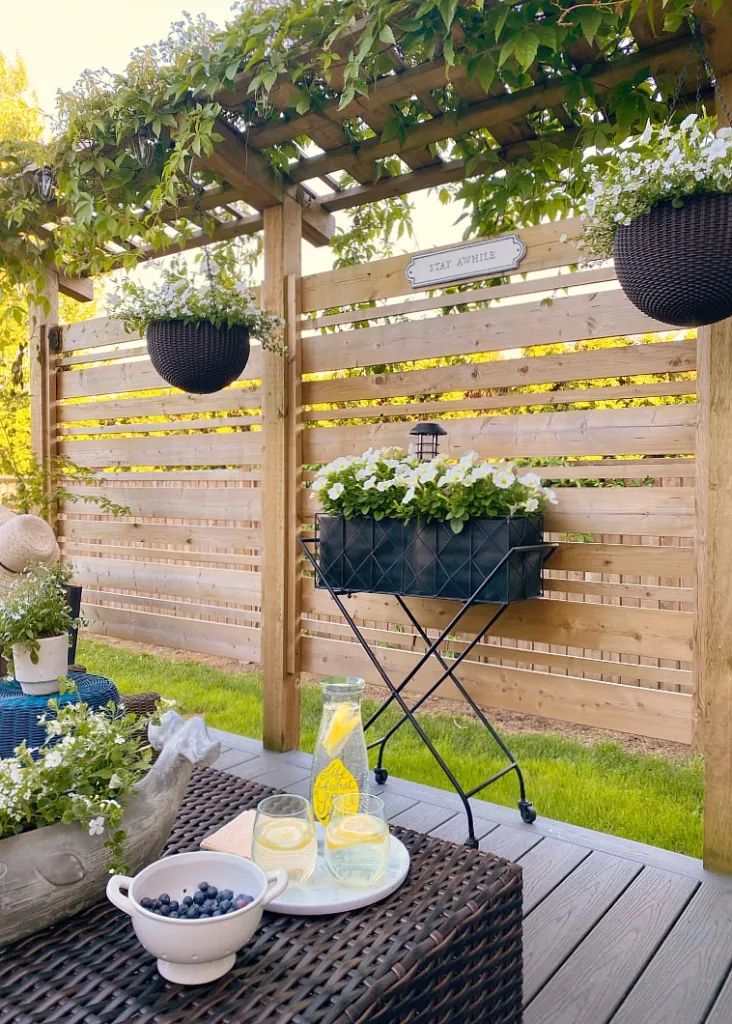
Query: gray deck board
[
  {"x": 684, "y": 977},
  {"x": 558, "y": 925},
  {"x": 615, "y": 931},
  {"x": 545, "y": 866},
  {"x": 721, "y": 1012},
  {"x": 593, "y": 982}
]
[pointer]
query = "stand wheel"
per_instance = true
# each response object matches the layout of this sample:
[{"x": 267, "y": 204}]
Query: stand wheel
[
  {"x": 528, "y": 814},
  {"x": 380, "y": 776}
]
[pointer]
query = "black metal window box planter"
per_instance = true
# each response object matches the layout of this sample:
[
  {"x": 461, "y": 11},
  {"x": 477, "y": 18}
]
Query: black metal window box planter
[{"x": 428, "y": 560}]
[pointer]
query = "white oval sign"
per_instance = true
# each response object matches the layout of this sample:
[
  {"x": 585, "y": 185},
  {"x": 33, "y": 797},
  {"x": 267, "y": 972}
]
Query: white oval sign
[{"x": 474, "y": 259}]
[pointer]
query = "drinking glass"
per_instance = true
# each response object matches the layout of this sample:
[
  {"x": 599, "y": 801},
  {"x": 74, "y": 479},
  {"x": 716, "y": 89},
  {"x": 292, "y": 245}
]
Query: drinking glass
[
  {"x": 284, "y": 836},
  {"x": 357, "y": 839}
]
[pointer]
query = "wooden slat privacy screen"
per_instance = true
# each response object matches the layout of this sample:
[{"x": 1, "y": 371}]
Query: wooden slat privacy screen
[{"x": 609, "y": 646}]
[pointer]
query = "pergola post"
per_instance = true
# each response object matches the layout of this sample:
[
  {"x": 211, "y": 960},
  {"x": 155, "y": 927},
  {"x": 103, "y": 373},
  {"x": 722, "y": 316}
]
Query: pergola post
[
  {"x": 280, "y": 474},
  {"x": 713, "y": 651},
  {"x": 43, "y": 375}
]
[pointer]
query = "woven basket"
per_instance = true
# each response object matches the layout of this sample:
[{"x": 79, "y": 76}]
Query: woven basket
[
  {"x": 675, "y": 264},
  {"x": 197, "y": 358}
]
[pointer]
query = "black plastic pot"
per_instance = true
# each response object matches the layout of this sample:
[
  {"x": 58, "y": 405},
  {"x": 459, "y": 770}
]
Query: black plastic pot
[
  {"x": 197, "y": 358},
  {"x": 675, "y": 264},
  {"x": 429, "y": 560}
]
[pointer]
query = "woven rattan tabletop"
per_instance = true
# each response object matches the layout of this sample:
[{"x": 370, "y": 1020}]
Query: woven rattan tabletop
[{"x": 443, "y": 949}]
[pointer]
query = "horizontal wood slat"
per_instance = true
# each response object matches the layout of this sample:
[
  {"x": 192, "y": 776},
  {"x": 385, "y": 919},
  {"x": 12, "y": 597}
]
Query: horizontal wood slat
[
  {"x": 576, "y": 318},
  {"x": 222, "y": 639},
  {"x": 232, "y": 399},
  {"x": 209, "y": 586},
  {"x": 630, "y": 709},
  {"x": 632, "y": 360},
  {"x": 129, "y": 376},
  {"x": 182, "y": 450},
  {"x": 548, "y": 246},
  {"x": 602, "y": 627},
  {"x": 177, "y": 503},
  {"x": 650, "y": 430}
]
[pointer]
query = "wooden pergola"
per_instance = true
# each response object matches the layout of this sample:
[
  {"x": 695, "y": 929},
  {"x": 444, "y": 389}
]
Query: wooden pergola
[{"x": 245, "y": 196}]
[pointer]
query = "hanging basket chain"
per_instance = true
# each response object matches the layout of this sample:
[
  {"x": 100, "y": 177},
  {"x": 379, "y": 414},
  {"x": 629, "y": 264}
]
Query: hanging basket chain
[{"x": 697, "y": 48}]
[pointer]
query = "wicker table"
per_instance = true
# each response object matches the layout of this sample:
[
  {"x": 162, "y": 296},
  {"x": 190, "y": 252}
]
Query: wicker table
[{"x": 444, "y": 949}]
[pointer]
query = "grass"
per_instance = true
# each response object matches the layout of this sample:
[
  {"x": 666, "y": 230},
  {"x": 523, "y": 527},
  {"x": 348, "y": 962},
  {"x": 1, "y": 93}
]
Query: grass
[{"x": 652, "y": 799}]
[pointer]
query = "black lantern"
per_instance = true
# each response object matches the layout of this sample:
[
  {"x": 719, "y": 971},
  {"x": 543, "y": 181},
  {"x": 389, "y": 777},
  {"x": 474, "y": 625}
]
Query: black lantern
[
  {"x": 45, "y": 180},
  {"x": 428, "y": 435},
  {"x": 142, "y": 146}
]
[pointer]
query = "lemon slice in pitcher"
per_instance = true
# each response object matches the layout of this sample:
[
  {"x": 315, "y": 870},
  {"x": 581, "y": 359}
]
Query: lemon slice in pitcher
[{"x": 345, "y": 719}]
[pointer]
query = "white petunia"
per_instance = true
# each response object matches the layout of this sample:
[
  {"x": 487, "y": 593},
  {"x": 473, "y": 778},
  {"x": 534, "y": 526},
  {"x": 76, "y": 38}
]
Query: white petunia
[
  {"x": 427, "y": 473},
  {"x": 115, "y": 782},
  {"x": 384, "y": 485},
  {"x": 96, "y": 826},
  {"x": 531, "y": 504},
  {"x": 532, "y": 480},
  {"x": 550, "y": 496},
  {"x": 504, "y": 479},
  {"x": 53, "y": 759},
  {"x": 336, "y": 491},
  {"x": 319, "y": 483},
  {"x": 409, "y": 496},
  {"x": 370, "y": 484}
]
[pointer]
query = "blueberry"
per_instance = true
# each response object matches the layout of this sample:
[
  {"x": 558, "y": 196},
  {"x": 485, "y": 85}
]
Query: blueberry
[
  {"x": 173, "y": 913},
  {"x": 212, "y": 892},
  {"x": 164, "y": 898},
  {"x": 205, "y": 913},
  {"x": 174, "y": 905},
  {"x": 193, "y": 912},
  {"x": 239, "y": 904},
  {"x": 203, "y": 886},
  {"x": 233, "y": 908},
  {"x": 186, "y": 901},
  {"x": 164, "y": 910},
  {"x": 147, "y": 903},
  {"x": 157, "y": 905},
  {"x": 226, "y": 894},
  {"x": 209, "y": 905},
  {"x": 199, "y": 897},
  {"x": 224, "y": 905},
  {"x": 218, "y": 913}
]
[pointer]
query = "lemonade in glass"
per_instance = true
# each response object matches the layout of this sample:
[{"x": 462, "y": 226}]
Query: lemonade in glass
[
  {"x": 357, "y": 840},
  {"x": 284, "y": 836}
]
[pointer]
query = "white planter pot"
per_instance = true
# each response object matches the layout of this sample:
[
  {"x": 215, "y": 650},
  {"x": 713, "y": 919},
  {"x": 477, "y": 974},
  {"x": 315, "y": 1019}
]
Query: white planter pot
[{"x": 53, "y": 661}]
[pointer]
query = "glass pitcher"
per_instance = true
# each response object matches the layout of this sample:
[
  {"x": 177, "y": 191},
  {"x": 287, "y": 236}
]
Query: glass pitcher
[{"x": 340, "y": 761}]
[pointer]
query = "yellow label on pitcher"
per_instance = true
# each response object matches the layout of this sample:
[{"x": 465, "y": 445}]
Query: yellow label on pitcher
[{"x": 333, "y": 781}]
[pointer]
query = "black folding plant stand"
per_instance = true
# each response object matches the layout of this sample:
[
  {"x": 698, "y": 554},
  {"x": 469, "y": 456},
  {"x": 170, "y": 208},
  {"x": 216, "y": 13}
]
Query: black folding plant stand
[{"x": 309, "y": 546}]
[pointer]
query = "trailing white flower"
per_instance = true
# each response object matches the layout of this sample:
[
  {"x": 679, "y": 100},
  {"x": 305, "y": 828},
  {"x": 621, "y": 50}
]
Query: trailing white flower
[
  {"x": 96, "y": 826},
  {"x": 392, "y": 484},
  {"x": 662, "y": 164}
]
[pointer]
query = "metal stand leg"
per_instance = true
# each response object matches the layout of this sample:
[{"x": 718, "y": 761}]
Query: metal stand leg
[{"x": 449, "y": 671}]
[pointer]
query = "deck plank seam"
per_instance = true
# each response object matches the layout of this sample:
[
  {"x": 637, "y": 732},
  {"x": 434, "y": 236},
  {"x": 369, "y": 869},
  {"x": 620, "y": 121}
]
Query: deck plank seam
[{"x": 576, "y": 946}]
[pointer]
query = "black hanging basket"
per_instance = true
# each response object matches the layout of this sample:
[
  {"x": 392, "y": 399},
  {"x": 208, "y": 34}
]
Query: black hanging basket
[
  {"x": 198, "y": 358},
  {"x": 675, "y": 263},
  {"x": 429, "y": 560}
]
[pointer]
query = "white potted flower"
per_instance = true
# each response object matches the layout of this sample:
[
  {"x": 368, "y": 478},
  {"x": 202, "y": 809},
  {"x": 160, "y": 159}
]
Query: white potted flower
[
  {"x": 395, "y": 524},
  {"x": 662, "y": 207},
  {"x": 35, "y": 620},
  {"x": 198, "y": 315}
]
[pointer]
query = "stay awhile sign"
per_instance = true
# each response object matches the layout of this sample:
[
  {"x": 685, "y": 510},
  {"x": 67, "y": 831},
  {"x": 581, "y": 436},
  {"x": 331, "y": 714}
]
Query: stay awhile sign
[{"x": 460, "y": 262}]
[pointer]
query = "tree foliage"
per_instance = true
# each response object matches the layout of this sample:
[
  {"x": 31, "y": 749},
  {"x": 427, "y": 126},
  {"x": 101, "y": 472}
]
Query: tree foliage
[{"x": 330, "y": 51}]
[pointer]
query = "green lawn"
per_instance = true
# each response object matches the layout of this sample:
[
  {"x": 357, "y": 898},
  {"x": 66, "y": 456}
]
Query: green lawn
[{"x": 652, "y": 799}]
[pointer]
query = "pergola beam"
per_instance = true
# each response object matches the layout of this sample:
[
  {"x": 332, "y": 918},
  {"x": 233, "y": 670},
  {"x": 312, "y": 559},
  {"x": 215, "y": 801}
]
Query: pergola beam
[
  {"x": 494, "y": 111},
  {"x": 79, "y": 288},
  {"x": 441, "y": 174},
  {"x": 248, "y": 172}
]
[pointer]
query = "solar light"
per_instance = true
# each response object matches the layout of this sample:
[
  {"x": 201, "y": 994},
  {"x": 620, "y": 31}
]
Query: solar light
[
  {"x": 428, "y": 439},
  {"x": 142, "y": 146},
  {"x": 45, "y": 180}
]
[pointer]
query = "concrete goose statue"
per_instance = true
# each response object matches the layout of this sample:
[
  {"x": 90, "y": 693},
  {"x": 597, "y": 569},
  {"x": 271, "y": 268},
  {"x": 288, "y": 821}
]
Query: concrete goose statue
[{"x": 50, "y": 873}]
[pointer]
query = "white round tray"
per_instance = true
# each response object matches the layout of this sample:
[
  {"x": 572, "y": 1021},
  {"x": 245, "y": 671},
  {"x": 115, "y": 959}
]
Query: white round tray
[{"x": 323, "y": 894}]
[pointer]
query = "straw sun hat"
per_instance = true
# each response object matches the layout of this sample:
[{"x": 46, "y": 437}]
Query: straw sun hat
[{"x": 24, "y": 540}]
